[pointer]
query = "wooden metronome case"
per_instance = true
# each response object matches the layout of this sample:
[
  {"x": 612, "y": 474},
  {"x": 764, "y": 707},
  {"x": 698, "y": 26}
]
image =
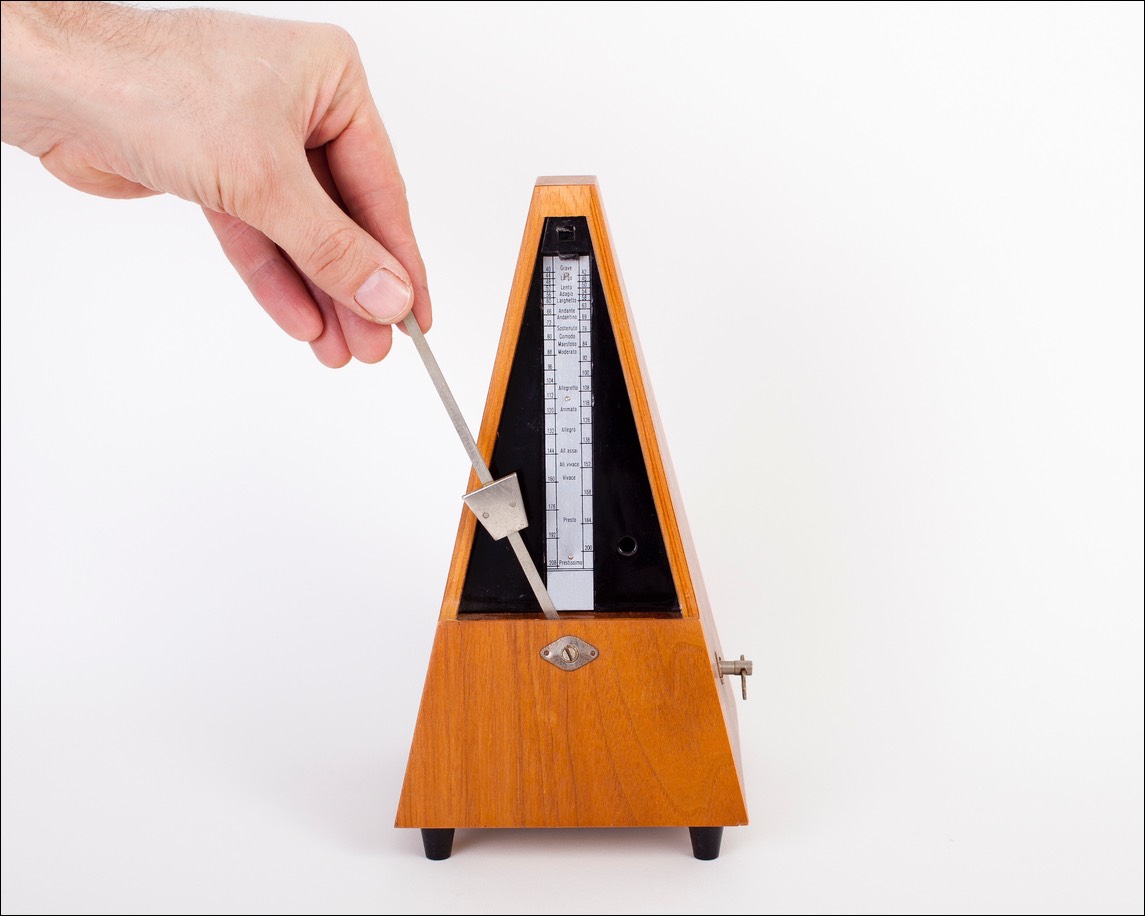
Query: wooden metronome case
[{"x": 644, "y": 735}]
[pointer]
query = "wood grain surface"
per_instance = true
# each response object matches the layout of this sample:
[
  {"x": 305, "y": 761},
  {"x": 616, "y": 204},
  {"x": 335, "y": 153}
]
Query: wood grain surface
[{"x": 634, "y": 738}]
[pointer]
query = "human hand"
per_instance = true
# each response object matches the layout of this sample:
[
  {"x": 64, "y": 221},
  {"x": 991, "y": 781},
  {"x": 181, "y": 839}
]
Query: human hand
[{"x": 268, "y": 125}]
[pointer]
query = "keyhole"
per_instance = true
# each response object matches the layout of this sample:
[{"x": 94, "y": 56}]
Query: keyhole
[
  {"x": 626, "y": 546},
  {"x": 571, "y": 653}
]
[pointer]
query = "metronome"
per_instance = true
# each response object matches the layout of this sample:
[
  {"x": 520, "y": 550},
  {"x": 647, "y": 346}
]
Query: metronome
[{"x": 594, "y": 693}]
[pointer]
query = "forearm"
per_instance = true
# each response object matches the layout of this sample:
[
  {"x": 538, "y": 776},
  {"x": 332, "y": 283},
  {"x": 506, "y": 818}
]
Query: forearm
[
  {"x": 71, "y": 69},
  {"x": 44, "y": 44}
]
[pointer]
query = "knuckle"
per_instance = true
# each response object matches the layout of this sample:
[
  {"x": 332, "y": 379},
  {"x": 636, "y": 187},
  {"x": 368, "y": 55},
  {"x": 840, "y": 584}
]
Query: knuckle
[
  {"x": 339, "y": 42},
  {"x": 331, "y": 256},
  {"x": 262, "y": 279},
  {"x": 389, "y": 194},
  {"x": 398, "y": 188},
  {"x": 242, "y": 239}
]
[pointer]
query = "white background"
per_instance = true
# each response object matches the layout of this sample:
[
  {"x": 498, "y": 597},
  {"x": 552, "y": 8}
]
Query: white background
[{"x": 886, "y": 266}]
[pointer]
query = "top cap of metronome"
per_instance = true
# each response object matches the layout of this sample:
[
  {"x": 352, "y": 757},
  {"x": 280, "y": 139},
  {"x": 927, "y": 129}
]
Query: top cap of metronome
[{"x": 549, "y": 180}]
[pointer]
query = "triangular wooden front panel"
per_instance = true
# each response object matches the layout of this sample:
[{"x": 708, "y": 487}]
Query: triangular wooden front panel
[
  {"x": 571, "y": 200},
  {"x": 630, "y": 567},
  {"x": 637, "y": 738},
  {"x": 645, "y": 735}
]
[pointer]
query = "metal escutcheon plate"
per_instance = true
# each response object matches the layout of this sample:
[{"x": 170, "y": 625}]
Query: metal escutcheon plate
[{"x": 569, "y": 653}]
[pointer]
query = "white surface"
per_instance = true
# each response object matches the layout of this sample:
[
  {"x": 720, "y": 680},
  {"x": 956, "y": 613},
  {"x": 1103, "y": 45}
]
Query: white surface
[{"x": 905, "y": 241}]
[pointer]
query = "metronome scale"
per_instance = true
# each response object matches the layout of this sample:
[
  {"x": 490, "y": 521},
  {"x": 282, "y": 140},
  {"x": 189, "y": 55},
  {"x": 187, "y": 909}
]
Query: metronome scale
[{"x": 594, "y": 694}]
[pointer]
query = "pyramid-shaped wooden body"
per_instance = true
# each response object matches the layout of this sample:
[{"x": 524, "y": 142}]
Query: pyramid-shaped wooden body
[{"x": 646, "y": 734}]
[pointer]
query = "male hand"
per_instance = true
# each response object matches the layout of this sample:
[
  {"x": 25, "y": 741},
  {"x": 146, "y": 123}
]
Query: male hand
[{"x": 268, "y": 125}]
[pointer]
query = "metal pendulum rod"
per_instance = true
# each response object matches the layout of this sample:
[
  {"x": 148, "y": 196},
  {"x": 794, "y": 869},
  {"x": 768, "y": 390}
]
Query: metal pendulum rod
[{"x": 478, "y": 462}]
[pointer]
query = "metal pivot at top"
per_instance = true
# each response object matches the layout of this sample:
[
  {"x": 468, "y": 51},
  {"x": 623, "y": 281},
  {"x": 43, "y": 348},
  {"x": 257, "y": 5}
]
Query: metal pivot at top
[{"x": 497, "y": 504}]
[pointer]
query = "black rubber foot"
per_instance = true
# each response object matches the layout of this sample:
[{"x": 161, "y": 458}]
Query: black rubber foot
[
  {"x": 705, "y": 841},
  {"x": 438, "y": 842}
]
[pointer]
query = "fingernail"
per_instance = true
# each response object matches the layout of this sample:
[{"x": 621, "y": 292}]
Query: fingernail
[{"x": 384, "y": 295}]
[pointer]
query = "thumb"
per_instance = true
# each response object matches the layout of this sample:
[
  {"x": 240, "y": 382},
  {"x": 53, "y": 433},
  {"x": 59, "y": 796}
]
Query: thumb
[{"x": 338, "y": 255}]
